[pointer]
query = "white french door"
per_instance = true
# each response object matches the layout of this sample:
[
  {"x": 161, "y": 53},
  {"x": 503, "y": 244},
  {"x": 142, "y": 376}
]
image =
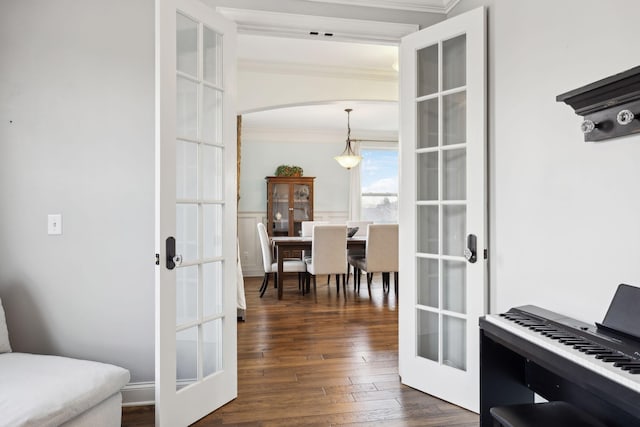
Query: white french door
[
  {"x": 196, "y": 361},
  {"x": 443, "y": 207}
]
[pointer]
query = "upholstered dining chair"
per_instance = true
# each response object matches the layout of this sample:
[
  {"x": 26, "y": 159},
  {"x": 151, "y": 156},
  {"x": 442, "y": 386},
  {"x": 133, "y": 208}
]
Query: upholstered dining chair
[
  {"x": 381, "y": 256},
  {"x": 328, "y": 252},
  {"x": 306, "y": 230},
  {"x": 306, "y": 227},
  {"x": 288, "y": 266},
  {"x": 356, "y": 252}
]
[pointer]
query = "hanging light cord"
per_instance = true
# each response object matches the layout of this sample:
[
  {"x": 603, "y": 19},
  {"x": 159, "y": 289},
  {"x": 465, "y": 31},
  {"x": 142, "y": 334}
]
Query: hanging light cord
[{"x": 349, "y": 150}]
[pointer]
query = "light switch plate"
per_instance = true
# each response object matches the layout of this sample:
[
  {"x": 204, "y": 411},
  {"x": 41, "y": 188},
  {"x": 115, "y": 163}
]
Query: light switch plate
[{"x": 54, "y": 224}]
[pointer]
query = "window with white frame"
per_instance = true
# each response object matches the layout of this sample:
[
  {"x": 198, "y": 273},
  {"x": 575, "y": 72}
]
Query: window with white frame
[{"x": 379, "y": 184}]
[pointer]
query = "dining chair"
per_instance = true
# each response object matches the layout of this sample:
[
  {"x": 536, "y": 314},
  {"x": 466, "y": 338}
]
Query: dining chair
[
  {"x": 328, "y": 252},
  {"x": 381, "y": 256},
  {"x": 356, "y": 252},
  {"x": 289, "y": 265},
  {"x": 306, "y": 230},
  {"x": 306, "y": 227}
]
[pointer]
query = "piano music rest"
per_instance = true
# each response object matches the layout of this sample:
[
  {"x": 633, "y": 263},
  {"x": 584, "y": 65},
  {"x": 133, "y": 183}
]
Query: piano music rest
[{"x": 551, "y": 414}]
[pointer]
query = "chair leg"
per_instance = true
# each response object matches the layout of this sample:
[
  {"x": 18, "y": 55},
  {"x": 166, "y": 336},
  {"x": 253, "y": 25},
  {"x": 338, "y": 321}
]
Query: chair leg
[
  {"x": 337, "y": 283},
  {"x": 369, "y": 280},
  {"x": 385, "y": 282},
  {"x": 275, "y": 280},
  {"x": 300, "y": 283},
  {"x": 348, "y": 270},
  {"x": 357, "y": 277},
  {"x": 265, "y": 284},
  {"x": 395, "y": 282}
]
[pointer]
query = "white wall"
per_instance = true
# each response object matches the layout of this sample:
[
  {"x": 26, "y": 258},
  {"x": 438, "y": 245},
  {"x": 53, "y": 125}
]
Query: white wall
[
  {"x": 564, "y": 213},
  {"x": 76, "y": 138}
]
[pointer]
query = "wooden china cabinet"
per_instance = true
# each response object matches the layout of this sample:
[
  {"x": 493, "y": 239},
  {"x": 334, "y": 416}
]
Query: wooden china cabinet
[{"x": 289, "y": 202}]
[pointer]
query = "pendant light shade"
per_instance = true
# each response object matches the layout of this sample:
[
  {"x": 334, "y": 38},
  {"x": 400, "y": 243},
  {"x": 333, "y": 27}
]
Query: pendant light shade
[{"x": 348, "y": 159}]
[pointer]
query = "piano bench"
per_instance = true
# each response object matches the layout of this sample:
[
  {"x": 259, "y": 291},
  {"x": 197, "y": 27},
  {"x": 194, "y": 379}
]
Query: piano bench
[{"x": 550, "y": 414}]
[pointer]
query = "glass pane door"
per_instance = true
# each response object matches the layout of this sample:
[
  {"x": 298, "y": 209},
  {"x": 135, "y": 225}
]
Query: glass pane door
[
  {"x": 441, "y": 202},
  {"x": 195, "y": 298},
  {"x": 199, "y": 201}
]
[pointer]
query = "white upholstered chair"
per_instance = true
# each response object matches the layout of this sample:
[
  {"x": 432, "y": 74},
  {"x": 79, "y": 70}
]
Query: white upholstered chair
[
  {"x": 328, "y": 252},
  {"x": 306, "y": 230},
  {"x": 288, "y": 266},
  {"x": 306, "y": 227},
  {"x": 381, "y": 256}
]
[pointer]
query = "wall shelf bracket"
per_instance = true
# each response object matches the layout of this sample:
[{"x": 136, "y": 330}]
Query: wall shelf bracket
[{"x": 610, "y": 107}]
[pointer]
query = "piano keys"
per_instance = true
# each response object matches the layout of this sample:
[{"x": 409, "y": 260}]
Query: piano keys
[{"x": 594, "y": 367}]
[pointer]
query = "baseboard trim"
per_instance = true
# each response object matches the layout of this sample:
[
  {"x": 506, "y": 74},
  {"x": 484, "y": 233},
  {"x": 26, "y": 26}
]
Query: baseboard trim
[{"x": 139, "y": 394}]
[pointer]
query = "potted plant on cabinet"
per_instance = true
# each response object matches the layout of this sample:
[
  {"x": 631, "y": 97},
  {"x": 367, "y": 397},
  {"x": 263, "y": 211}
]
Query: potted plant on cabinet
[{"x": 286, "y": 170}]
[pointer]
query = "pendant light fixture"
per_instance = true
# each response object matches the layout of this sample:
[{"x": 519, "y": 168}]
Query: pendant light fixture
[{"x": 348, "y": 159}]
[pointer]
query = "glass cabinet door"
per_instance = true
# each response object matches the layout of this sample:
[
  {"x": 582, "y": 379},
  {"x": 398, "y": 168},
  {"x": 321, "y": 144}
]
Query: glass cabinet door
[
  {"x": 280, "y": 206},
  {"x": 302, "y": 209}
]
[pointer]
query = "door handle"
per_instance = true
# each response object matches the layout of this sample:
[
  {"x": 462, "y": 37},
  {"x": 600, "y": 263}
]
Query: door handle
[
  {"x": 172, "y": 258},
  {"x": 470, "y": 252}
]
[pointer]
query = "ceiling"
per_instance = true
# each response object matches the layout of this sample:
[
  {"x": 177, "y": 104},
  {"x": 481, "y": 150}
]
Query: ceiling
[{"x": 305, "y": 55}]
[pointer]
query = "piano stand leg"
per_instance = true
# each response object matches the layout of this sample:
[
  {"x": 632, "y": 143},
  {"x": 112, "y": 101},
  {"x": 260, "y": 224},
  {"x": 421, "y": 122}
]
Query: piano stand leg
[{"x": 502, "y": 378}]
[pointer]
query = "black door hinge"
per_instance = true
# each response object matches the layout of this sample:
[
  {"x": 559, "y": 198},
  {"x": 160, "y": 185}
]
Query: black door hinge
[{"x": 157, "y": 259}]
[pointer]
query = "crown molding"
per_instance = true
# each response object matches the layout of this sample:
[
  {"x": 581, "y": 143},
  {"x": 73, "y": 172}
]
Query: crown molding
[
  {"x": 427, "y": 6},
  {"x": 268, "y": 23},
  {"x": 318, "y": 70}
]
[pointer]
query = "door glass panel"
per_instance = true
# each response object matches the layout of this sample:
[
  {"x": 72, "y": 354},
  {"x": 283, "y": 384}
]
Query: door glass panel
[
  {"x": 212, "y": 230},
  {"x": 186, "y": 170},
  {"x": 428, "y": 123},
  {"x": 186, "y": 294},
  {"x": 453, "y": 229},
  {"x": 187, "y": 109},
  {"x": 428, "y": 176},
  {"x": 454, "y": 286},
  {"x": 454, "y": 118},
  {"x": 427, "y": 335},
  {"x": 427, "y": 232},
  {"x": 427, "y": 70},
  {"x": 187, "y": 231},
  {"x": 212, "y": 288},
  {"x": 454, "y": 177},
  {"x": 454, "y": 72},
  {"x": 212, "y": 56},
  {"x": 186, "y": 356},
  {"x": 186, "y": 45},
  {"x": 454, "y": 337},
  {"x": 428, "y": 293},
  {"x": 212, "y": 172},
  {"x": 212, "y": 115},
  {"x": 212, "y": 347}
]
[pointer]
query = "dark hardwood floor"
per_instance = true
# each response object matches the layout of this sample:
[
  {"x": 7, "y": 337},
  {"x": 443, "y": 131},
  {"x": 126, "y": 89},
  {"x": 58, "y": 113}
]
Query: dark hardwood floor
[{"x": 321, "y": 360}]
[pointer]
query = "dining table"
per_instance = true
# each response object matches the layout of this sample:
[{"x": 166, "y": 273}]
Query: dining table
[{"x": 288, "y": 244}]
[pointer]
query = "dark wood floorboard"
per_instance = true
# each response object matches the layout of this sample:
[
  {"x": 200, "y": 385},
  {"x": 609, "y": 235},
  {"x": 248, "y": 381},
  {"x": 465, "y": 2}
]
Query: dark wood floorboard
[{"x": 321, "y": 360}]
